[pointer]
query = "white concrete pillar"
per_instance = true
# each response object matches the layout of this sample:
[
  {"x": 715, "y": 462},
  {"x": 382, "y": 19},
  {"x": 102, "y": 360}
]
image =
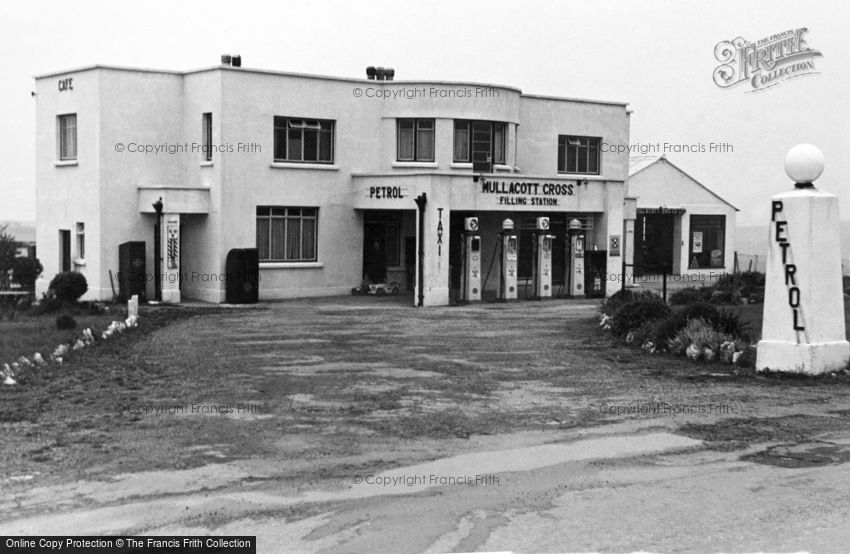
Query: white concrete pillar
[
  {"x": 171, "y": 258},
  {"x": 612, "y": 224},
  {"x": 628, "y": 252},
  {"x": 435, "y": 243},
  {"x": 628, "y": 242},
  {"x": 803, "y": 323}
]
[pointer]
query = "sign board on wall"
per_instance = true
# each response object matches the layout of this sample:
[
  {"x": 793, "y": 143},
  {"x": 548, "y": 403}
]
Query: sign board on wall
[
  {"x": 515, "y": 193},
  {"x": 697, "y": 242},
  {"x": 614, "y": 245},
  {"x": 173, "y": 243}
]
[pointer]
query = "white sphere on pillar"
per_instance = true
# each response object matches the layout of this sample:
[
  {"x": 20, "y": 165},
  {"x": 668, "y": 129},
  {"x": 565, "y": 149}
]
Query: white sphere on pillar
[{"x": 804, "y": 163}]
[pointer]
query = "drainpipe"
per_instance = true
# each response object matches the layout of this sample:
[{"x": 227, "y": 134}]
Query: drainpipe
[
  {"x": 157, "y": 251},
  {"x": 421, "y": 200}
]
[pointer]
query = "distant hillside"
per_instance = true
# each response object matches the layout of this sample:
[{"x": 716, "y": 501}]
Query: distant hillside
[
  {"x": 752, "y": 241},
  {"x": 23, "y": 231}
]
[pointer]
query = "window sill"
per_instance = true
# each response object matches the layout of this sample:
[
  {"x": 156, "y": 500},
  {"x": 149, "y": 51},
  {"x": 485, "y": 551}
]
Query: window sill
[
  {"x": 579, "y": 175},
  {"x": 206, "y": 164},
  {"x": 421, "y": 165},
  {"x": 65, "y": 163},
  {"x": 297, "y": 165},
  {"x": 291, "y": 265},
  {"x": 467, "y": 165}
]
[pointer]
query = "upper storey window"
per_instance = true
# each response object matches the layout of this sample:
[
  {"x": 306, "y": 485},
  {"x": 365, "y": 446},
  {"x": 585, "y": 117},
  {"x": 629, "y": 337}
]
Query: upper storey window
[
  {"x": 67, "y": 137},
  {"x": 303, "y": 140},
  {"x": 578, "y": 155},
  {"x": 415, "y": 140},
  {"x": 480, "y": 141},
  {"x": 206, "y": 137}
]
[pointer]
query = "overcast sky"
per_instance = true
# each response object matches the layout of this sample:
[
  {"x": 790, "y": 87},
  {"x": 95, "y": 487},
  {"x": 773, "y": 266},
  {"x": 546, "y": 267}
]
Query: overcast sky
[{"x": 656, "y": 55}]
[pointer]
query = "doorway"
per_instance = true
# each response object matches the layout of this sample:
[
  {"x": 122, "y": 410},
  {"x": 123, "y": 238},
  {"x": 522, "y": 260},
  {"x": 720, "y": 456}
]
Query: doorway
[
  {"x": 65, "y": 249},
  {"x": 654, "y": 235},
  {"x": 389, "y": 247}
]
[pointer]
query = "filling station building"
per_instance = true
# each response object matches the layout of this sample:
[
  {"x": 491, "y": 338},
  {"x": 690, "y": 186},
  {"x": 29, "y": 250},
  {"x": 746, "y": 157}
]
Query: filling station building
[{"x": 324, "y": 181}]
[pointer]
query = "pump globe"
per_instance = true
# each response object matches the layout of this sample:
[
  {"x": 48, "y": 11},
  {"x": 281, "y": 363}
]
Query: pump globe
[{"x": 804, "y": 163}]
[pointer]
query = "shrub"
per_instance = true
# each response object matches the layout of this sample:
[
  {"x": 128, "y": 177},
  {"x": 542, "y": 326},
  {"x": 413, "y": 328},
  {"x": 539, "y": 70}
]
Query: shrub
[
  {"x": 65, "y": 321},
  {"x": 726, "y": 282},
  {"x": 731, "y": 324},
  {"x": 634, "y": 314},
  {"x": 665, "y": 330},
  {"x": 689, "y": 295},
  {"x": 624, "y": 296},
  {"x": 698, "y": 340},
  {"x": 48, "y": 303},
  {"x": 25, "y": 271},
  {"x": 69, "y": 286},
  {"x": 748, "y": 357},
  {"x": 671, "y": 326},
  {"x": 752, "y": 285},
  {"x": 725, "y": 296},
  {"x": 751, "y": 279},
  {"x": 699, "y": 310},
  {"x": 645, "y": 332}
]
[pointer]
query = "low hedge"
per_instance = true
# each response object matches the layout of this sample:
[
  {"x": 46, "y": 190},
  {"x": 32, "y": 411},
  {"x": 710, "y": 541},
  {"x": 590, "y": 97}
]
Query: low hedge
[{"x": 632, "y": 315}]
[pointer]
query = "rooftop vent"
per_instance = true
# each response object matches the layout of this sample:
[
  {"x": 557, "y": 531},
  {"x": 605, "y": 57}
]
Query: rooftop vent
[
  {"x": 233, "y": 61},
  {"x": 380, "y": 73}
]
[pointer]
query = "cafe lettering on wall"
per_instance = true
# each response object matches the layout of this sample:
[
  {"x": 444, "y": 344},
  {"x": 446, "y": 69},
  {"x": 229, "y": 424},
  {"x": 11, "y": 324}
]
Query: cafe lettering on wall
[
  {"x": 66, "y": 84},
  {"x": 779, "y": 235},
  {"x": 527, "y": 193}
]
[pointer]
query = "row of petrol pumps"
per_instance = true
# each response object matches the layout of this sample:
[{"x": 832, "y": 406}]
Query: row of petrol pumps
[{"x": 541, "y": 277}]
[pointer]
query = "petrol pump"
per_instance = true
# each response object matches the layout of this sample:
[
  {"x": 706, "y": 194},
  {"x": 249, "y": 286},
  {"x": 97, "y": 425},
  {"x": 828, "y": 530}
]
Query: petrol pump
[
  {"x": 543, "y": 259},
  {"x": 471, "y": 286},
  {"x": 508, "y": 288},
  {"x": 576, "y": 259}
]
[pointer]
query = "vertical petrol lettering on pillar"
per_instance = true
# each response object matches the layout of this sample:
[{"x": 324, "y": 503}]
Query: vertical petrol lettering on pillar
[{"x": 781, "y": 238}]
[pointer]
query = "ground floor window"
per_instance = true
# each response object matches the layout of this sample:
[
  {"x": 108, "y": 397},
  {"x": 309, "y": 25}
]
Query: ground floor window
[
  {"x": 707, "y": 241},
  {"x": 81, "y": 240},
  {"x": 286, "y": 234}
]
